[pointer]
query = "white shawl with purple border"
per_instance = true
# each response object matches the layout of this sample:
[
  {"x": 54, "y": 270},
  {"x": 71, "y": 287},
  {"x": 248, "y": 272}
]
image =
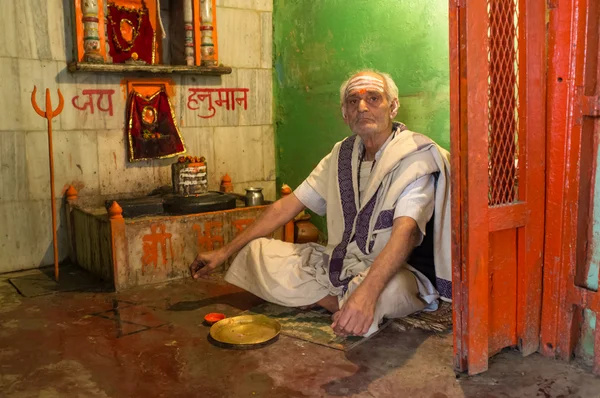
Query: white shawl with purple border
[{"x": 356, "y": 235}]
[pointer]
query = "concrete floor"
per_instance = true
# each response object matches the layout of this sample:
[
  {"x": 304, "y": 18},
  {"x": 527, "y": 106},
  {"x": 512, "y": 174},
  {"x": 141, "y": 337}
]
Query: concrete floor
[{"x": 151, "y": 342}]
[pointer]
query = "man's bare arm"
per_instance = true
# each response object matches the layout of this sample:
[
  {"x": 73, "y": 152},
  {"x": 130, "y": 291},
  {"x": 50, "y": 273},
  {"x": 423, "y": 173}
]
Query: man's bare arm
[
  {"x": 356, "y": 315},
  {"x": 405, "y": 237},
  {"x": 274, "y": 216}
]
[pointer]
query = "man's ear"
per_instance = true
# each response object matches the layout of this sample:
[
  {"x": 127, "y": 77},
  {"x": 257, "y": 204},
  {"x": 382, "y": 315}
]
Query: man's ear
[
  {"x": 394, "y": 108},
  {"x": 344, "y": 113}
]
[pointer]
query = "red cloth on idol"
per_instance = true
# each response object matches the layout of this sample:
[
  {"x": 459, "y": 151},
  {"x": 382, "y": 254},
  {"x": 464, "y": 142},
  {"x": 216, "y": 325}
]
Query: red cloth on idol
[
  {"x": 161, "y": 139},
  {"x": 144, "y": 42}
]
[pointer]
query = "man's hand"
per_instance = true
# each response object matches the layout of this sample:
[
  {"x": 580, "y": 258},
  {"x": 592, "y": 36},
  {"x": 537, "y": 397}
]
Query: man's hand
[
  {"x": 206, "y": 263},
  {"x": 274, "y": 216},
  {"x": 356, "y": 315}
]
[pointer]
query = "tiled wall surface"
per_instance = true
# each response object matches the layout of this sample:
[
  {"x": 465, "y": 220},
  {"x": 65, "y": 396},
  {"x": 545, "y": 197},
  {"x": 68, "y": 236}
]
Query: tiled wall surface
[{"x": 89, "y": 149}]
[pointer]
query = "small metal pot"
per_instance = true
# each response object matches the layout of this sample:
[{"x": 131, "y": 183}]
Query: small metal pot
[{"x": 254, "y": 197}]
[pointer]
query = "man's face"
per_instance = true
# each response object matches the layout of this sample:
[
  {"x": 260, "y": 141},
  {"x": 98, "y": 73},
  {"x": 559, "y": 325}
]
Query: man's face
[{"x": 366, "y": 109}]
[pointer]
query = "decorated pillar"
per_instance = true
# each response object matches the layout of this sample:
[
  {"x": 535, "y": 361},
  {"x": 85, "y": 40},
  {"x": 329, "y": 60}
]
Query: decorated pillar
[
  {"x": 188, "y": 19},
  {"x": 91, "y": 38},
  {"x": 206, "y": 27}
]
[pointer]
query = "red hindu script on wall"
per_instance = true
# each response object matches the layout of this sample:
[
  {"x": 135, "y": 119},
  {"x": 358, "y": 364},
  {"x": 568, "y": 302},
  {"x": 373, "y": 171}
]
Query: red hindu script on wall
[
  {"x": 156, "y": 247},
  {"x": 209, "y": 235},
  {"x": 204, "y": 100},
  {"x": 98, "y": 95}
]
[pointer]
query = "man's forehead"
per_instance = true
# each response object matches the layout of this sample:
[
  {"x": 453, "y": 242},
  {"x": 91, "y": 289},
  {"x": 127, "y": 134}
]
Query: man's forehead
[
  {"x": 363, "y": 83},
  {"x": 370, "y": 78}
]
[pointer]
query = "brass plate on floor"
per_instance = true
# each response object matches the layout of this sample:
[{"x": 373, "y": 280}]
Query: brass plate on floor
[{"x": 245, "y": 330}]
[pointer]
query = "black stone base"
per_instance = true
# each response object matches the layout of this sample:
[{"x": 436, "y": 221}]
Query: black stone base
[{"x": 174, "y": 204}]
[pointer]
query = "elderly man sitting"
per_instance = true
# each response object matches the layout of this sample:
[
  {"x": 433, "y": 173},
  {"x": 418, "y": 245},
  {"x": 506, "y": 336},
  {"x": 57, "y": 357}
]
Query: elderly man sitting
[{"x": 385, "y": 191}]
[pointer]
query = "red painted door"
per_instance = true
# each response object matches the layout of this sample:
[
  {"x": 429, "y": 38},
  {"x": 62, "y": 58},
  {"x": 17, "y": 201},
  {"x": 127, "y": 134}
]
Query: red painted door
[
  {"x": 571, "y": 301},
  {"x": 497, "y": 54}
]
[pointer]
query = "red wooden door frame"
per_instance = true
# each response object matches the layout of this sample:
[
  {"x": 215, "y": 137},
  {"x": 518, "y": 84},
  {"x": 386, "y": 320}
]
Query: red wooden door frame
[
  {"x": 573, "y": 109},
  {"x": 468, "y": 89},
  {"x": 478, "y": 328}
]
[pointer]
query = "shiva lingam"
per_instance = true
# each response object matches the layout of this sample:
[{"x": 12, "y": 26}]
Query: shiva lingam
[{"x": 189, "y": 176}]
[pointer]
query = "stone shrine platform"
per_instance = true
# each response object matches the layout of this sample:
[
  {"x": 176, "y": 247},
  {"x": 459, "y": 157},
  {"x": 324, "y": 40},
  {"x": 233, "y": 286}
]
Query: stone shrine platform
[{"x": 145, "y": 250}]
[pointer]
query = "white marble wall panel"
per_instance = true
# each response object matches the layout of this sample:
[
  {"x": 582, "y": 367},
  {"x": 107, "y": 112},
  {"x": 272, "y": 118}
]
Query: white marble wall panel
[
  {"x": 13, "y": 166},
  {"x": 31, "y": 31},
  {"x": 118, "y": 175},
  {"x": 34, "y": 29},
  {"x": 260, "y": 96},
  {"x": 175, "y": 98},
  {"x": 266, "y": 33},
  {"x": 263, "y": 5},
  {"x": 18, "y": 78},
  {"x": 8, "y": 27},
  {"x": 61, "y": 49},
  {"x": 199, "y": 142},
  {"x": 260, "y": 5},
  {"x": 75, "y": 162},
  {"x": 222, "y": 116},
  {"x": 239, "y": 152},
  {"x": 268, "y": 137},
  {"x": 62, "y": 26},
  {"x": 26, "y": 234},
  {"x": 239, "y": 37}
]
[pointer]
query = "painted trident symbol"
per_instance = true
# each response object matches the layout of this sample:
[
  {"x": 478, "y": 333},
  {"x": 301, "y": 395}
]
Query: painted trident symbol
[{"x": 49, "y": 114}]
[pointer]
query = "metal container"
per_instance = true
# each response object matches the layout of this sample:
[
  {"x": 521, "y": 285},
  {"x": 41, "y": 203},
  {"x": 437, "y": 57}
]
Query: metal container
[{"x": 254, "y": 197}]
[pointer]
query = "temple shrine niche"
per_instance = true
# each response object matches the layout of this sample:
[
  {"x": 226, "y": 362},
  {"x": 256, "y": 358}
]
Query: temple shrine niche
[
  {"x": 146, "y": 36},
  {"x": 152, "y": 38}
]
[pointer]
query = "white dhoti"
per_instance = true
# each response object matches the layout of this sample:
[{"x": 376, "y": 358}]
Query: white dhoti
[{"x": 294, "y": 275}]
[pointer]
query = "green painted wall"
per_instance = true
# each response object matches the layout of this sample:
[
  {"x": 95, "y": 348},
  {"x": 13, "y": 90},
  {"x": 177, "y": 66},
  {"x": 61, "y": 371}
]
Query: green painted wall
[{"x": 318, "y": 43}]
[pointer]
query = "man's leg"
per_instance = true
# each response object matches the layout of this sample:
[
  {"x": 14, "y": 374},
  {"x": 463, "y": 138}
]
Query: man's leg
[
  {"x": 279, "y": 272},
  {"x": 399, "y": 298},
  {"x": 330, "y": 303}
]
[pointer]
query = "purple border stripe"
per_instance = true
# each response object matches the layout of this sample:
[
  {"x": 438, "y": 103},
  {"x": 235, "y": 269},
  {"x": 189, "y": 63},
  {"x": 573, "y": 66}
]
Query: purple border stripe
[
  {"x": 347, "y": 197},
  {"x": 385, "y": 220},
  {"x": 362, "y": 224},
  {"x": 444, "y": 287}
]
